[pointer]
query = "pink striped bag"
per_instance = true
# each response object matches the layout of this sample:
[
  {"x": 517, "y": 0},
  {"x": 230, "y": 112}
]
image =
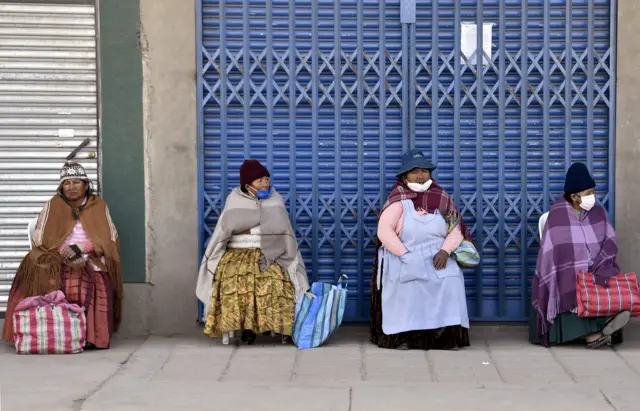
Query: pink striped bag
[{"x": 49, "y": 324}]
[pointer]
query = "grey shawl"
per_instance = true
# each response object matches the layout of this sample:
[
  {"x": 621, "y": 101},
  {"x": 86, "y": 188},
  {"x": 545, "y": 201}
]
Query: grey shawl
[{"x": 277, "y": 241}]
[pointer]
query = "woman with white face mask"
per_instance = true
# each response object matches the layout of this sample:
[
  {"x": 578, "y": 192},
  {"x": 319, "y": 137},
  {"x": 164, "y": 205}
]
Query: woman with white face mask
[
  {"x": 577, "y": 238},
  {"x": 418, "y": 296}
]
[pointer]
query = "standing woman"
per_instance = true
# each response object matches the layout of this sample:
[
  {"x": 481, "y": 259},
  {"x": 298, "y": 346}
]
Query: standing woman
[
  {"x": 76, "y": 250},
  {"x": 418, "y": 299},
  {"x": 252, "y": 273}
]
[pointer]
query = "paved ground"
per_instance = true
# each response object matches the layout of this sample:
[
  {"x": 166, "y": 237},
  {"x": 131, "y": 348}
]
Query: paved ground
[{"x": 501, "y": 371}]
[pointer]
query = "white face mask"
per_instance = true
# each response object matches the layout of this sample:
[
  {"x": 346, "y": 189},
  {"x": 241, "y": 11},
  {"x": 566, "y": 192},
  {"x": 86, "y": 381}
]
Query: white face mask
[
  {"x": 588, "y": 202},
  {"x": 419, "y": 188}
]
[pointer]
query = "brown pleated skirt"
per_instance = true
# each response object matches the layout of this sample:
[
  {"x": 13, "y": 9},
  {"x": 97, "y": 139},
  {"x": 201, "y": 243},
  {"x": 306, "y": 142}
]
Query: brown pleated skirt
[
  {"x": 94, "y": 291},
  {"x": 86, "y": 288}
]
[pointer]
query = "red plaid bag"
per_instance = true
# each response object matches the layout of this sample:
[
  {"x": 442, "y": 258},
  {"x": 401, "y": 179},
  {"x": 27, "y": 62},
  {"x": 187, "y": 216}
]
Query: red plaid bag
[
  {"x": 49, "y": 324},
  {"x": 598, "y": 301}
]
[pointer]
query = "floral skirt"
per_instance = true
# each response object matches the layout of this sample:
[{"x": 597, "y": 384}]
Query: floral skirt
[{"x": 247, "y": 298}]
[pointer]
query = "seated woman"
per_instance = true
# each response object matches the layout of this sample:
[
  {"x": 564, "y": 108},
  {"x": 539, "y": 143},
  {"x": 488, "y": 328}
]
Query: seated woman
[
  {"x": 76, "y": 250},
  {"x": 577, "y": 237},
  {"x": 252, "y": 273},
  {"x": 418, "y": 296}
]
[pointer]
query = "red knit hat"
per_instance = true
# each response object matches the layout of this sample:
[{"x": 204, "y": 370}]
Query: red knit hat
[{"x": 252, "y": 170}]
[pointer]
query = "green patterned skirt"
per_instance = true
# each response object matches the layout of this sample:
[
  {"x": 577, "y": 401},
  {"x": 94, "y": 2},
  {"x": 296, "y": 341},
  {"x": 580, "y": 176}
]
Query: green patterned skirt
[{"x": 568, "y": 328}]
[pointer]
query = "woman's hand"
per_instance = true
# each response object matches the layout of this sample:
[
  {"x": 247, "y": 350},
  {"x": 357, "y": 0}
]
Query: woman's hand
[
  {"x": 67, "y": 253},
  {"x": 76, "y": 264},
  {"x": 440, "y": 260}
]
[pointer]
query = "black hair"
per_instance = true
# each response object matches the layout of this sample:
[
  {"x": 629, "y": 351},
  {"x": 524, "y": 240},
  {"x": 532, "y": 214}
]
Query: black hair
[
  {"x": 568, "y": 197},
  {"x": 90, "y": 191}
]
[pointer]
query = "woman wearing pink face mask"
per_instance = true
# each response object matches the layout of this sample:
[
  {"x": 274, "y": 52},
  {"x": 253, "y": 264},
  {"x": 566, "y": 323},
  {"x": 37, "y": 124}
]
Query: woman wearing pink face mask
[{"x": 577, "y": 237}]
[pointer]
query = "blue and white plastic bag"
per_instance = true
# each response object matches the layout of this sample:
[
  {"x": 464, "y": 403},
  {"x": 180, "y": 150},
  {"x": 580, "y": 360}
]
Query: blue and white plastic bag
[{"x": 319, "y": 313}]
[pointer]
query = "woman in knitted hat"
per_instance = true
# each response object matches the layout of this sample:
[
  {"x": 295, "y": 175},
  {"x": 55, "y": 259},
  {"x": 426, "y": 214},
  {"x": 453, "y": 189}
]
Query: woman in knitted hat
[
  {"x": 577, "y": 237},
  {"x": 252, "y": 273},
  {"x": 75, "y": 249}
]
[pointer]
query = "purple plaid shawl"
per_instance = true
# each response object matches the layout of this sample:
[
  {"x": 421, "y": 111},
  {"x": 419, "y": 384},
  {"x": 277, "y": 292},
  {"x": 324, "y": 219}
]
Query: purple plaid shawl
[{"x": 570, "y": 243}]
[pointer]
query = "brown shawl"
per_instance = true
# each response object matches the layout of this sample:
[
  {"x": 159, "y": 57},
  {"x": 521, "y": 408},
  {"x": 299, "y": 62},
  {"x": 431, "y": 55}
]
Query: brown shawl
[{"x": 41, "y": 268}]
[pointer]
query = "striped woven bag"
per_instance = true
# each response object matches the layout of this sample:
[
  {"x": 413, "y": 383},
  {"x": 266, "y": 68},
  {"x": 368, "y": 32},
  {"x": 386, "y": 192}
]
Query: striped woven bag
[
  {"x": 597, "y": 301},
  {"x": 319, "y": 313},
  {"x": 49, "y": 324}
]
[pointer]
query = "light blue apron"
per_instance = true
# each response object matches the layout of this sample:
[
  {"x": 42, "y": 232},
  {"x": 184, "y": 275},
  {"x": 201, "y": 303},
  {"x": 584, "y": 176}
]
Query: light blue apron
[{"x": 416, "y": 296}]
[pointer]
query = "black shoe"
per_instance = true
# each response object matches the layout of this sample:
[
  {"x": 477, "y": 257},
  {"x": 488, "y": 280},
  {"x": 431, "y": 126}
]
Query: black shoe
[{"x": 248, "y": 337}]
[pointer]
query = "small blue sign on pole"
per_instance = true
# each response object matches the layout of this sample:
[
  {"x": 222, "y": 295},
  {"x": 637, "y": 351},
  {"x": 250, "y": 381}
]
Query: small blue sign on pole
[{"x": 408, "y": 11}]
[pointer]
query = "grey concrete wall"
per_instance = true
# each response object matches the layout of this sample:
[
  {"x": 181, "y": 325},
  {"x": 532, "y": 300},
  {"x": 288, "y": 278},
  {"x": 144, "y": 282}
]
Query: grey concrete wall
[
  {"x": 167, "y": 37},
  {"x": 628, "y": 135}
]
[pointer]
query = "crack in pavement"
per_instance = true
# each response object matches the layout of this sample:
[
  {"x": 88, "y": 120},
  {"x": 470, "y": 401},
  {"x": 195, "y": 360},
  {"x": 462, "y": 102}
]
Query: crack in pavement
[
  {"x": 562, "y": 365},
  {"x": 226, "y": 369},
  {"x": 363, "y": 362},
  {"x": 432, "y": 368},
  {"x": 296, "y": 364},
  {"x": 625, "y": 361},
  {"x": 78, "y": 404},
  {"x": 493, "y": 362},
  {"x": 607, "y": 400}
]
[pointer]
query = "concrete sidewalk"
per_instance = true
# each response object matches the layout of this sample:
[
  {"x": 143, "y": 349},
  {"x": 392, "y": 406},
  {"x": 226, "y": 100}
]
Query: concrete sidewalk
[{"x": 501, "y": 371}]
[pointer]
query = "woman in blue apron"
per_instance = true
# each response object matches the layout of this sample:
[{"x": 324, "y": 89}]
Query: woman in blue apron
[{"x": 418, "y": 296}]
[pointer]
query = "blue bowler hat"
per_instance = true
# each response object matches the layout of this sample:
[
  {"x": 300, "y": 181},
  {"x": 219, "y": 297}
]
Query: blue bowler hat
[{"x": 415, "y": 159}]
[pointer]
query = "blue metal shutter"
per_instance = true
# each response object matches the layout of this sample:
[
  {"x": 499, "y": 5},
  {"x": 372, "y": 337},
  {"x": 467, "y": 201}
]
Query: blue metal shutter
[
  {"x": 313, "y": 89},
  {"x": 326, "y": 109},
  {"x": 503, "y": 144}
]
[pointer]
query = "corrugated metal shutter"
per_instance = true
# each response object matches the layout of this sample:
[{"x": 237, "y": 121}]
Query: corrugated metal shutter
[
  {"x": 305, "y": 99},
  {"x": 314, "y": 88},
  {"x": 504, "y": 146},
  {"x": 48, "y": 106}
]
